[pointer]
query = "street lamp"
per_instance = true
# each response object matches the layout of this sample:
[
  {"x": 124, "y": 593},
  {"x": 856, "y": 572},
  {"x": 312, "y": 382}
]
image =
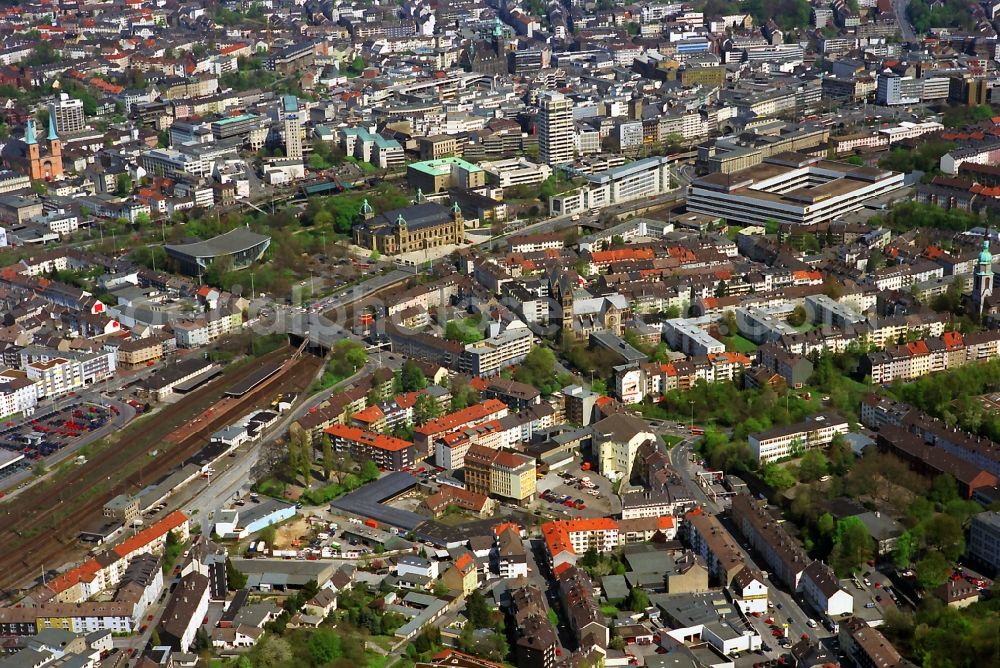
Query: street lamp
[{"x": 691, "y": 424}]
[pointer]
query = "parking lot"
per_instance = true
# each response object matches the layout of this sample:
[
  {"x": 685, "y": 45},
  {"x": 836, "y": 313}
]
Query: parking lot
[
  {"x": 48, "y": 433},
  {"x": 574, "y": 492}
]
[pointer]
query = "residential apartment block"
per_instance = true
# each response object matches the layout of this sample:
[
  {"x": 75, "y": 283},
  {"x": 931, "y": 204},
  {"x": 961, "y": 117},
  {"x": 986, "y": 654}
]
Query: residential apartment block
[
  {"x": 389, "y": 452},
  {"x": 794, "y": 439}
]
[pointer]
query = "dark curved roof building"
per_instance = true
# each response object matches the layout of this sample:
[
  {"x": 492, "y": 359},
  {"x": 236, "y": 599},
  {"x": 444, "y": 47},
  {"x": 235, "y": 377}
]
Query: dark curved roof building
[{"x": 243, "y": 246}]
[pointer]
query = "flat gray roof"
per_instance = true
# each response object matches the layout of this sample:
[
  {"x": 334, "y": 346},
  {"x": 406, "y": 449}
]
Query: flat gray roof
[{"x": 367, "y": 501}]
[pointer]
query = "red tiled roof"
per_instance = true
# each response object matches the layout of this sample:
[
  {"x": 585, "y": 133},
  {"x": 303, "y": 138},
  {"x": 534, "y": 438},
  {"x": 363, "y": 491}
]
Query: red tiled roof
[
  {"x": 621, "y": 255},
  {"x": 358, "y": 435},
  {"x": 151, "y": 533}
]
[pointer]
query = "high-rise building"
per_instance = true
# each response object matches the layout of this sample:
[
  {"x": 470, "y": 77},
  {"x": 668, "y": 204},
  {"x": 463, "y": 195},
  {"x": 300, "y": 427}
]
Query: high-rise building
[
  {"x": 68, "y": 114},
  {"x": 555, "y": 128},
  {"x": 983, "y": 280},
  {"x": 293, "y": 126}
]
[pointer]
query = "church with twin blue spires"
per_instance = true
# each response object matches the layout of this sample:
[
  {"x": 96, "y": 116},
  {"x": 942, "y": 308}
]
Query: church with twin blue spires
[{"x": 27, "y": 156}]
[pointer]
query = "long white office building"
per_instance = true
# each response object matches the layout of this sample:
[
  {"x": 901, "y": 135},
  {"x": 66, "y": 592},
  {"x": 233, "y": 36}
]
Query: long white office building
[
  {"x": 794, "y": 439},
  {"x": 643, "y": 178},
  {"x": 790, "y": 188}
]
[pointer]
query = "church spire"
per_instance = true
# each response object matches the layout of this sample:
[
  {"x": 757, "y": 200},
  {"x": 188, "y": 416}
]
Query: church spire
[
  {"x": 52, "y": 128},
  {"x": 29, "y": 132}
]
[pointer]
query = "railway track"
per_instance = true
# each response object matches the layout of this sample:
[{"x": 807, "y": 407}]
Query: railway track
[{"x": 39, "y": 527}]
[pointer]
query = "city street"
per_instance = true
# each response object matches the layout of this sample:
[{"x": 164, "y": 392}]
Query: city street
[{"x": 786, "y": 608}]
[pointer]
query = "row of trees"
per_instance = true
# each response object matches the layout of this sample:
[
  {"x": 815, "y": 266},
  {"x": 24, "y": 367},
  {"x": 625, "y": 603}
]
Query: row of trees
[
  {"x": 953, "y": 396},
  {"x": 540, "y": 371},
  {"x": 925, "y": 158},
  {"x": 944, "y": 636}
]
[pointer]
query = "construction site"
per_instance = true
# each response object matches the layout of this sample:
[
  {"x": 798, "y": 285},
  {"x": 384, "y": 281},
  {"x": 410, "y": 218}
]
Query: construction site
[{"x": 40, "y": 524}]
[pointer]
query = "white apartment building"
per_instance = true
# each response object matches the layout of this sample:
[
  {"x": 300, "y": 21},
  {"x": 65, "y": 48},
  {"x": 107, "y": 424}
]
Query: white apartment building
[
  {"x": 202, "y": 331},
  {"x": 60, "y": 222},
  {"x": 67, "y": 114},
  {"x": 618, "y": 439},
  {"x": 113, "y": 617},
  {"x": 648, "y": 177},
  {"x": 823, "y": 591},
  {"x": 749, "y": 591},
  {"x": 601, "y": 534},
  {"x": 790, "y": 440},
  {"x": 293, "y": 130},
  {"x": 908, "y": 130},
  {"x": 555, "y": 128},
  {"x": 687, "y": 336},
  {"x": 55, "y": 377},
  {"x": 450, "y": 449},
  {"x": 18, "y": 393},
  {"x": 893, "y": 89},
  {"x": 499, "y": 351},
  {"x": 515, "y": 172},
  {"x": 168, "y": 162},
  {"x": 861, "y": 140}
]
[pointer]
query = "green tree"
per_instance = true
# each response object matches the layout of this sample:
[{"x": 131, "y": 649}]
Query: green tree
[
  {"x": 271, "y": 652},
  {"x": 944, "y": 489},
  {"x": 852, "y": 546},
  {"x": 477, "y": 610},
  {"x": 123, "y": 184},
  {"x": 235, "y": 579},
  {"x": 538, "y": 369},
  {"x": 462, "y": 394},
  {"x": 324, "y": 645},
  {"x": 412, "y": 377},
  {"x": 840, "y": 455},
  {"x": 876, "y": 260},
  {"x": 369, "y": 471},
  {"x": 905, "y": 549},
  {"x": 428, "y": 640},
  {"x": 306, "y": 456},
  {"x": 797, "y": 317},
  {"x": 293, "y": 451},
  {"x": 945, "y": 532},
  {"x": 201, "y": 640},
  {"x": 813, "y": 466},
  {"x": 777, "y": 477},
  {"x": 637, "y": 600},
  {"x": 932, "y": 571},
  {"x": 425, "y": 409},
  {"x": 825, "y": 524}
]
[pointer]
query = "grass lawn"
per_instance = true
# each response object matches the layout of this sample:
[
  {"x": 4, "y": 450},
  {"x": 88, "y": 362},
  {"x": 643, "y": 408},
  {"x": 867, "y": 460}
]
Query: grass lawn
[
  {"x": 402, "y": 662},
  {"x": 739, "y": 344},
  {"x": 385, "y": 642},
  {"x": 671, "y": 440},
  {"x": 553, "y": 617},
  {"x": 609, "y": 611},
  {"x": 271, "y": 487},
  {"x": 375, "y": 660}
]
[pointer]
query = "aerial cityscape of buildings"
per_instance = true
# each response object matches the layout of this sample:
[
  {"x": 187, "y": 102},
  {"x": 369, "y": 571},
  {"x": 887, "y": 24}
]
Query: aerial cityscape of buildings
[{"x": 535, "y": 333}]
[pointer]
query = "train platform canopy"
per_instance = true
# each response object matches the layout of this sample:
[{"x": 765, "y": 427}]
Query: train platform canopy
[{"x": 8, "y": 458}]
